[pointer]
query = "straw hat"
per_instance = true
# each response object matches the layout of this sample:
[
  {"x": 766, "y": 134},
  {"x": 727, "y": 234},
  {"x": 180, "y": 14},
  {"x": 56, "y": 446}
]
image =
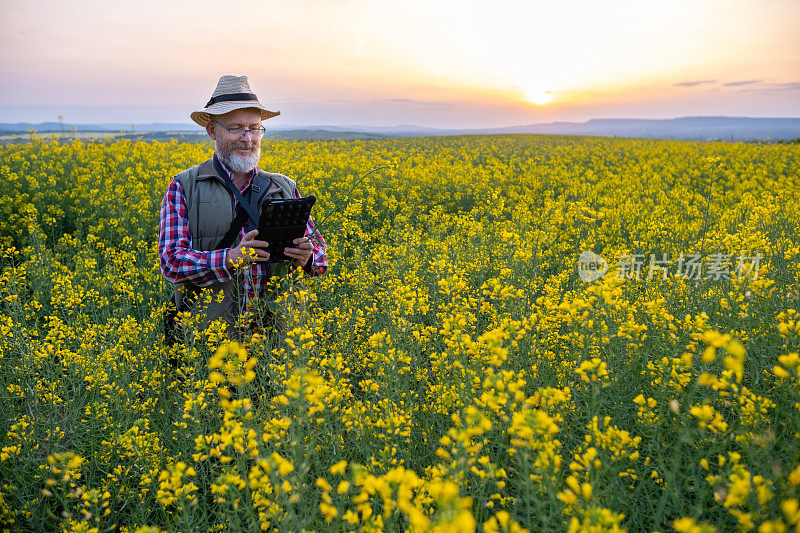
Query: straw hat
[{"x": 232, "y": 92}]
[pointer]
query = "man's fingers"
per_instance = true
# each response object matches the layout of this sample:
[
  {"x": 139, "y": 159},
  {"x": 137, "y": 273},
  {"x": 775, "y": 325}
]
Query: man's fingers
[
  {"x": 259, "y": 252},
  {"x": 252, "y": 253},
  {"x": 300, "y": 240},
  {"x": 296, "y": 253},
  {"x": 251, "y": 250},
  {"x": 293, "y": 252}
]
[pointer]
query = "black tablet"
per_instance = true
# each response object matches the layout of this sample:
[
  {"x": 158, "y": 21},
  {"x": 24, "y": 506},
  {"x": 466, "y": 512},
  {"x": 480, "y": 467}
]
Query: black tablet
[{"x": 281, "y": 222}]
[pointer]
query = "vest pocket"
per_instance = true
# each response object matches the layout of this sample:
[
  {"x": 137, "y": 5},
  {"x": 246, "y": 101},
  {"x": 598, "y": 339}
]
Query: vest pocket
[{"x": 212, "y": 221}]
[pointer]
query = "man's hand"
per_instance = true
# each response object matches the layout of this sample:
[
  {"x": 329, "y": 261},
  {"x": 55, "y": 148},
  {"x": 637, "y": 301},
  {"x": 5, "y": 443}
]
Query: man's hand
[
  {"x": 302, "y": 253},
  {"x": 242, "y": 253}
]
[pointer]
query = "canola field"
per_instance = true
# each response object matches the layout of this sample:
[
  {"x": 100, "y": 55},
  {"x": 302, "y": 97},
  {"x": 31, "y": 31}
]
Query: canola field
[{"x": 451, "y": 372}]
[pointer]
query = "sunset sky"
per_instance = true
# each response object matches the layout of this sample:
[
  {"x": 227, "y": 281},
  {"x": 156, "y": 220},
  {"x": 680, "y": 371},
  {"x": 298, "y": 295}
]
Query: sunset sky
[{"x": 438, "y": 63}]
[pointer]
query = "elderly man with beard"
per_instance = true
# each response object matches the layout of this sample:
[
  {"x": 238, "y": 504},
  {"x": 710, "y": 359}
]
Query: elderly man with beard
[{"x": 200, "y": 209}]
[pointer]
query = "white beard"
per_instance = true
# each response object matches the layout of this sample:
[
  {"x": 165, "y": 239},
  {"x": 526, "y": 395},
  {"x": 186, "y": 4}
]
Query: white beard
[
  {"x": 242, "y": 164},
  {"x": 237, "y": 163}
]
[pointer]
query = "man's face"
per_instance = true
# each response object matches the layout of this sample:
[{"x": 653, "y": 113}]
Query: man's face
[{"x": 239, "y": 152}]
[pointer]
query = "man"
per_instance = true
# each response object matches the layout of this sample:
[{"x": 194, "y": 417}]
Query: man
[{"x": 201, "y": 206}]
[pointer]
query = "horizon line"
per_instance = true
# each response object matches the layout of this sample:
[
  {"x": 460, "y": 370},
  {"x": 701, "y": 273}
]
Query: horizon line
[{"x": 417, "y": 126}]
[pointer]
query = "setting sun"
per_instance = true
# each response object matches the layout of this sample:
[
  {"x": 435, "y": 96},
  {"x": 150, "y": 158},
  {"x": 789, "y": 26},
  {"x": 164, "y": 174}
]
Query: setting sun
[{"x": 538, "y": 97}]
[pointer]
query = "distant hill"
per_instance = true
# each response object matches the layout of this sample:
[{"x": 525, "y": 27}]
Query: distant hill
[
  {"x": 698, "y": 128},
  {"x": 289, "y": 134},
  {"x": 55, "y": 127},
  {"x": 693, "y": 128}
]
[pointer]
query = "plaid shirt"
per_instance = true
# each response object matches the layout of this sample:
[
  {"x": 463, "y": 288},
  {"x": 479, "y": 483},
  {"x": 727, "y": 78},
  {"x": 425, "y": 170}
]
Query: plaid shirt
[{"x": 180, "y": 263}]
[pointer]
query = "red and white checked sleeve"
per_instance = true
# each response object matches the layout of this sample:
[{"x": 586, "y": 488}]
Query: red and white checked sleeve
[
  {"x": 179, "y": 262},
  {"x": 319, "y": 259}
]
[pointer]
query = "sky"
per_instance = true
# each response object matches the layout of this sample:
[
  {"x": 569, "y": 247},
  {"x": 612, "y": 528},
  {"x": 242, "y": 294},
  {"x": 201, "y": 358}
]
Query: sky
[{"x": 435, "y": 63}]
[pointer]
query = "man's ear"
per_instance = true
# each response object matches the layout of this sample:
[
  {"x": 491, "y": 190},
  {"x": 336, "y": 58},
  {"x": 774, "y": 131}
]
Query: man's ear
[{"x": 210, "y": 130}]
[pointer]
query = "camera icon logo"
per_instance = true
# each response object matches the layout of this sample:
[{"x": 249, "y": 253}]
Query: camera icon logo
[{"x": 591, "y": 266}]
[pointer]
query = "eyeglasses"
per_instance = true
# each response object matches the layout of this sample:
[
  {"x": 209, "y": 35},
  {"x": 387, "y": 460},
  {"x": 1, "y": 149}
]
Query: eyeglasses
[{"x": 257, "y": 132}]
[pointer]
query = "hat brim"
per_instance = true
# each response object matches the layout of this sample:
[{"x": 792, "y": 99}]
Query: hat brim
[{"x": 203, "y": 117}]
